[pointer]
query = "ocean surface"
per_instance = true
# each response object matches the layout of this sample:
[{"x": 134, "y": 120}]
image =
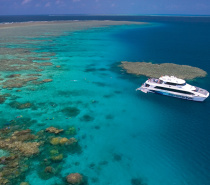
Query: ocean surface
[{"x": 126, "y": 137}]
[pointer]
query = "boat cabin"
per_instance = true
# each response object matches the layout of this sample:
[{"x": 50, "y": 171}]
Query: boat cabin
[{"x": 172, "y": 80}]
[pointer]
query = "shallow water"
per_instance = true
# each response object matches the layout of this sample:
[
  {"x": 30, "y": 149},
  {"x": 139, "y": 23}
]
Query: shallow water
[{"x": 123, "y": 134}]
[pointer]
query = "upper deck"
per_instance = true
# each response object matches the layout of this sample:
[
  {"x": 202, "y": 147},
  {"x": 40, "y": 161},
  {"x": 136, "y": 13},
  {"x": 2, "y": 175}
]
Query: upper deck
[
  {"x": 172, "y": 80},
  {"x": 155, "y": 80}
]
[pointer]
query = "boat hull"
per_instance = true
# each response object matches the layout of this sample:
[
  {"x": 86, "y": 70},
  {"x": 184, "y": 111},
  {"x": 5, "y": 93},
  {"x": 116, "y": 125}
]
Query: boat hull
[{"x": 200, "y": 99}]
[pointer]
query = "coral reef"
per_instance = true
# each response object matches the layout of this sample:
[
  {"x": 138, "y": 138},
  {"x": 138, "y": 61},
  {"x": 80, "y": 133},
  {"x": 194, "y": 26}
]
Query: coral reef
[
  {"x": 157, "y": 70},
  {"x": 63, "y": 140},
  {"x": 37, "y": 82},
  {"x": 55, "y": 141},
  {"x": 24, "y": 183},
  {"x": 45, "y": 63},
  {"x": 75, "y": 179},
  {"x": 49, "y": 169},
  {"x": 23, "y": 135},
  {"x": 23, "y": 145},
  {"x": 47, "y": 173},
  {"x": 25, "y": 148},
  {"x": 47, "y": 80},
  {"x": 17, "y": 82},
  {"x": 72, "y": 141},
  {"x": 13, "y": 75},
  {"x": 2, "y": 99},
  {"x": 53, "y": 130},
  {"x": 71, "y": 131},
  {"x": 57, "y": 158},
  {"x": 16, "y": 142},
  {"x": 36, "y": 74},
  {"x": 54, "y": 152},
  {"x": 15, "y": 60},
  {"x": 19, "y": 105},
  {"x": 17, "y": 65},
  {"x": 22, "y": 66}
]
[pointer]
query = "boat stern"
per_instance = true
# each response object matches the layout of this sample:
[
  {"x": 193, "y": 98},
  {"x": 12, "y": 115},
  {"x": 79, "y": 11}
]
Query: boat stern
[{"x": 143, "y": 88}]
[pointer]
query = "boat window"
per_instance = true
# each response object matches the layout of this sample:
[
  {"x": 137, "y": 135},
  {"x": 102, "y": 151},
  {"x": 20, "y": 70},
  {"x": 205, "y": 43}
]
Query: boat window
[
  {"x": 182, "y": 84},
  {"x": 170, "y": 83},
  {"x": 146, "y": 85},
  {"x": 174, "y": 90}
]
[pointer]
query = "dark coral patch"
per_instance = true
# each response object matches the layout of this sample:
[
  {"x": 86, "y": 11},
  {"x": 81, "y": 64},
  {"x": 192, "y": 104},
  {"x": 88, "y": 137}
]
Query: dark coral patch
[
  {"x": 70, "y": 93},
  {"x": 108, "y": 95},
  {"x": 2, "y": 99},
  {"x": 36, "y": 74},
  {"x": 109, "y": 116},
  {"x": 100, "y": 84},
  {"x": 47, "y": 173},
  {"x": 86, "y": 118},
  {"x": 71, "y": 111},
  {"x": 117, "y": 92},
  {"x": 90, "y": 69},
  {"x": 19, "y": 105},
  {"x": 13, "y": 75},
  {"x": 102, "y": 69},
  {"x": 97, "y": 127},
  {"x": 103, "y": 163},
  {"x": 137, "y": 181},
  {"x": 92, "y": 166},
  {"x": 117, "y": 157},
  {"x": 94, "y": 180},
  {"x": 77, "y": 163}
]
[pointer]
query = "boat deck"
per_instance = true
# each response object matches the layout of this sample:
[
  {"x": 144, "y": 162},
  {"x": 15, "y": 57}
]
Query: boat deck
[
  {"x": 202, "y": 91},
  {"x": 155, "y": 80}
]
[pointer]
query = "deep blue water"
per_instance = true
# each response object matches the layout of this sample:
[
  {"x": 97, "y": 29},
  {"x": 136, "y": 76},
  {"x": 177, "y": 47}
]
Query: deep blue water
[
  {"x": 159, "y": 139},
  {"x": 187, "y": 122},
  {"x": 144, "y": 18}
]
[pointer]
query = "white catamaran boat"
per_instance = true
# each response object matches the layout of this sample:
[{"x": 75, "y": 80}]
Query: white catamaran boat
[{"x": 175, "y": 87}]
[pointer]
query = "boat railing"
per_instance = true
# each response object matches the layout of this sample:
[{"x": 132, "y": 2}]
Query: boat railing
[
  {"x": 202, "y": 91},
  {"x": 155, "y": 80}
]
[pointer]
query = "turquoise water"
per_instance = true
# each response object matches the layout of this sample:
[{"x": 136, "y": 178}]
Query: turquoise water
[{"x": 155, "y": 140}]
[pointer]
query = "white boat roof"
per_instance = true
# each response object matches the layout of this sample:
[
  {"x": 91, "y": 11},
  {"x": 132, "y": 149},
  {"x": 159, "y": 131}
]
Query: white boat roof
[{"x": 172, "y": 79}]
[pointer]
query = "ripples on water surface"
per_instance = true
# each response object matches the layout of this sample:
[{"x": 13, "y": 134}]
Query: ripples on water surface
[{"x": 126, "y": 137}]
